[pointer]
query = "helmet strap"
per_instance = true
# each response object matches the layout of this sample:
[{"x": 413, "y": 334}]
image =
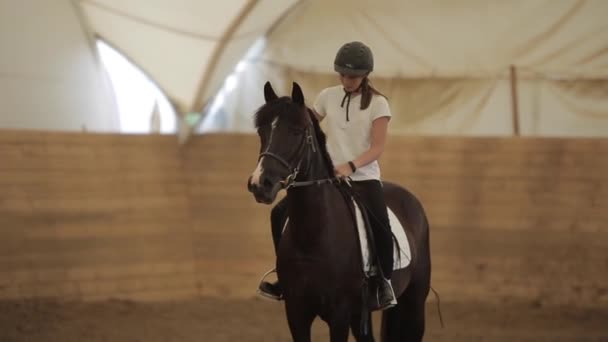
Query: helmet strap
[{"x": 347, "y": 95}]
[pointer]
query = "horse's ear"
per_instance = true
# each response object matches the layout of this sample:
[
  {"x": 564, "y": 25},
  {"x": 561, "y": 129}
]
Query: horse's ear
[
  {"x": 269, "y": 93},
  {"x": 296, "y": 94}
]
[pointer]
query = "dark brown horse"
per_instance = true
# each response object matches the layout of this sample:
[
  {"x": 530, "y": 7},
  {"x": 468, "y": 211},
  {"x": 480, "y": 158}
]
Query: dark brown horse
[{"x": 319, "y": 260}]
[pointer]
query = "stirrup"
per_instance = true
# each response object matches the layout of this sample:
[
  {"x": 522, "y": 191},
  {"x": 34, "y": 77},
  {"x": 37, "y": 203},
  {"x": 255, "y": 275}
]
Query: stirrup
[
  {"x": 266, "y": 294},
  {"x": 272, "y": 270}
]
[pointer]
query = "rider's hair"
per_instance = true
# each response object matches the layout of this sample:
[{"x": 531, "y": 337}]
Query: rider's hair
[{"x": 367, "y": 92}]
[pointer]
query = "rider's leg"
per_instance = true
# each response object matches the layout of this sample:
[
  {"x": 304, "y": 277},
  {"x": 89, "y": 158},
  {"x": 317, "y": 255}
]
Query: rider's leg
[
  {"x": 372, "y": 193},
  {"x": 278, "y": 215}
]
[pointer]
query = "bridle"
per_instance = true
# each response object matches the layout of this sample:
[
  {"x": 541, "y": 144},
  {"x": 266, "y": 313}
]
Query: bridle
[{"x": 306, "y": 146}]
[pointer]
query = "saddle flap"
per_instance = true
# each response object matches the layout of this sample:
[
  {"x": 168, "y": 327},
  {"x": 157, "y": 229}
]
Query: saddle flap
[{"x": 401, "y": 253}]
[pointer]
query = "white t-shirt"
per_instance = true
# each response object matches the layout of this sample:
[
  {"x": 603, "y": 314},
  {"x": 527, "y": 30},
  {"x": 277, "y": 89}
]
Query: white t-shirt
[{"x": 347, "y": 140}]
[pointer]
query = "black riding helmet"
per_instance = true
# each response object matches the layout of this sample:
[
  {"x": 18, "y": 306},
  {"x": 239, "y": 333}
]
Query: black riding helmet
[{"x": 355, "y": 59}]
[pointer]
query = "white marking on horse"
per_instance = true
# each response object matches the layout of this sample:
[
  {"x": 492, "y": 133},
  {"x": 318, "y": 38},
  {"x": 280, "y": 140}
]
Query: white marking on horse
[{"x": 257, "y": 173}]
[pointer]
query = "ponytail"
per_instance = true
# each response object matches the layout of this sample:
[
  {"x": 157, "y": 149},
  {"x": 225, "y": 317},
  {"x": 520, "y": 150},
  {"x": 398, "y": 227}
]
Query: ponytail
[{"x": 367, "y": 92}]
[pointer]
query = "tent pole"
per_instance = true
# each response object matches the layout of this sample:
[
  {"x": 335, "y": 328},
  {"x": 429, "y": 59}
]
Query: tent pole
[{"x": 514, "y": 102}]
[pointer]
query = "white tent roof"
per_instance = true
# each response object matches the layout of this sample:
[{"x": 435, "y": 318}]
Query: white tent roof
[
  {"x": 50, "y": 78},
  {"x": 187, "y": 46},
  {"x": 447, "y": 38},
  {"x": 444, "y": 63}
]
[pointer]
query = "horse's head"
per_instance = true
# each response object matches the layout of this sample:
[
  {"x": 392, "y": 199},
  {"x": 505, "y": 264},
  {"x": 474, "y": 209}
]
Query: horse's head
[{"x": 287, "y": 141}]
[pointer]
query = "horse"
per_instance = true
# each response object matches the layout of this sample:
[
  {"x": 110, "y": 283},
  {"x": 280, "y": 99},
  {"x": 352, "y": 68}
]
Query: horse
[{"x": 319, "y": 263}]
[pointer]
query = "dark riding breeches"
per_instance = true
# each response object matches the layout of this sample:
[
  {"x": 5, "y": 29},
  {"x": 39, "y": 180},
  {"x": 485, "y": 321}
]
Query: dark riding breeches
[{"x": 371, "y": 193}]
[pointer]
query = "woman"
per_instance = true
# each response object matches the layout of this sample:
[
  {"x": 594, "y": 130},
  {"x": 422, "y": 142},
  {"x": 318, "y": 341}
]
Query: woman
[{"x": 358, "y": 117}]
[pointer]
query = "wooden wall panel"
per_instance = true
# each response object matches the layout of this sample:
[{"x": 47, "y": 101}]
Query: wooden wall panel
[
  {"x": 93, "y": 216},
  {"x": 98, "y": 216}
]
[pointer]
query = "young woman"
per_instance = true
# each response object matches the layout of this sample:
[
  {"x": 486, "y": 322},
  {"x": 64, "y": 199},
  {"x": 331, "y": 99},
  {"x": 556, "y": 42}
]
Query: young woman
[{"x": 357, "y": 118}]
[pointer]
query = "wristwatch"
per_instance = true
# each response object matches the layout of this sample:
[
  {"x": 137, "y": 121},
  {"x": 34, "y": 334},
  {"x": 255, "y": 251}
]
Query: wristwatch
[{"x": 352, "y": 166}]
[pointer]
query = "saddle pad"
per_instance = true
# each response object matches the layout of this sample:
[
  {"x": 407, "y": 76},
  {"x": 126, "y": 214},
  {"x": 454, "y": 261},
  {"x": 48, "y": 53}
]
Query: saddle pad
[{"x": 401, "y": 255}]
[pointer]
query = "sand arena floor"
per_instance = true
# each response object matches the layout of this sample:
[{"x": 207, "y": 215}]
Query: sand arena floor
[{"x": 256, "y": 319}]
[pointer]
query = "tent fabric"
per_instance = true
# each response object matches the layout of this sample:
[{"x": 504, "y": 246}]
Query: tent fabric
[
  {"x": 447, "y": 106},
  {"x": 470, "y": 38},
  {"x": 188, "y": 46},
  {"x": 446, "y": 65},
  {"x": 50, "y": 77},
  {"x": 566, "y": 107}
]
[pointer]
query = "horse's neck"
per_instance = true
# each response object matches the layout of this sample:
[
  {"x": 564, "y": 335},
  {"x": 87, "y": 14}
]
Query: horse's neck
[
  {"x": 315, "y": 212},
  {"x": 308, "y": 200},
  {"x": 311, "y": 208}
]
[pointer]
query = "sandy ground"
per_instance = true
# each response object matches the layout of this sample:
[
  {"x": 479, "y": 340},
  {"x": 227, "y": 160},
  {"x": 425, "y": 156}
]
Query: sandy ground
[{"x": 261, "y": 320}]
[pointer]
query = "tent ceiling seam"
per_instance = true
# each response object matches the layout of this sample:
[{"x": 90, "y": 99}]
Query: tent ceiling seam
[
  {"x": 171, "y": 97},
  {"x": 185, "y": 132},
  {"x": 218, "y": 50},
  {"x": 151, "y": 23},
  {"x": 282, "y": 17}
]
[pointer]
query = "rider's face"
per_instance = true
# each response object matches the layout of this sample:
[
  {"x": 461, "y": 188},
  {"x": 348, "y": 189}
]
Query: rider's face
[{"x": 350, "y": 82}]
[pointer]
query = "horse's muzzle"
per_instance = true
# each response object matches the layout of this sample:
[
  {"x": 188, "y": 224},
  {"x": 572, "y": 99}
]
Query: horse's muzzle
[
  {"x": 249, "y": 185},
  {"x": 266, "y": 192}
]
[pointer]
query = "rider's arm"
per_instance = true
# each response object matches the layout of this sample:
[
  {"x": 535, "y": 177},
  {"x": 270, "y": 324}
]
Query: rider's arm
[
  {"x": 318, "y": 116},
  {"x": 319, "y": 107},
  {"x": 378, "y": 136}
]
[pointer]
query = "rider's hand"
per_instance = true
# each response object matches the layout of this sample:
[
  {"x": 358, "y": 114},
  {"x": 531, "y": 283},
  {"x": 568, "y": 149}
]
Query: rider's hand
[{"x": 343, "y": 170}]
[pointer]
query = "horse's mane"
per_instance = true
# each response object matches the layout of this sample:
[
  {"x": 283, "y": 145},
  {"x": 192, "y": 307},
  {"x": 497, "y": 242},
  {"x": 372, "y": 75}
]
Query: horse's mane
[
  {"x": 282, "y": 106},
  {"x": 322, "y": 140}
]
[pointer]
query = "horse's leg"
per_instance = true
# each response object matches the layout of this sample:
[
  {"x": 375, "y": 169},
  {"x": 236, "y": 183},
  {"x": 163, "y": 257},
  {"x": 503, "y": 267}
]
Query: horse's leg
[
  {"x": 338, "y": 328},
  {"x": 406, "y": 321},
  {"x": 299, "y": 317},
  {"x": 355, "y": 328}
]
